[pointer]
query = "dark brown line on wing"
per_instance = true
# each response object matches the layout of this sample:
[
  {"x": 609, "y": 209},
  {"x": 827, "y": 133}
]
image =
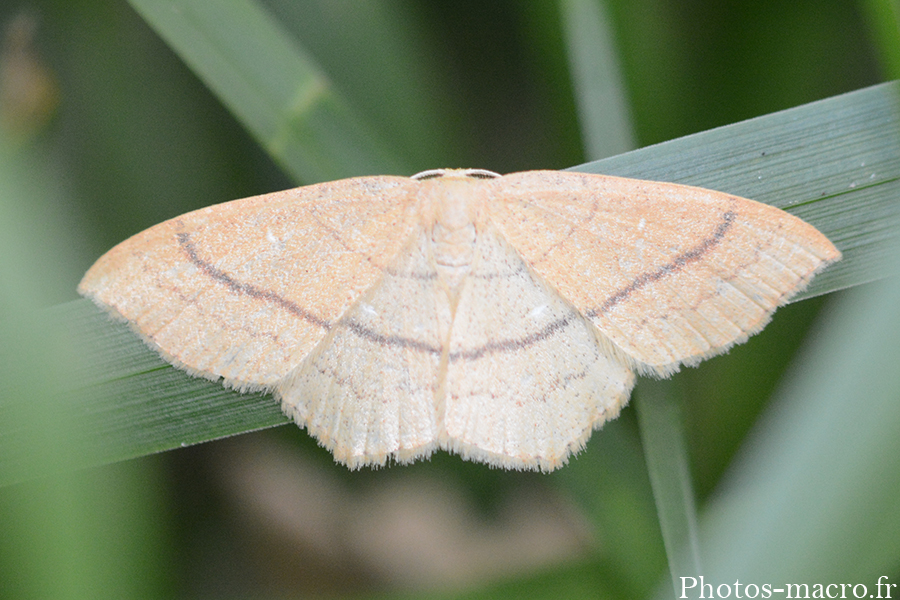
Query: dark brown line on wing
[
  {"x": 397, "y": 341},
  {"x": 388, "y": 340},
  {"x": 512, "y": 344},
  {"x": 184, "y": 240},
  {"x": 682, "y": 260}
]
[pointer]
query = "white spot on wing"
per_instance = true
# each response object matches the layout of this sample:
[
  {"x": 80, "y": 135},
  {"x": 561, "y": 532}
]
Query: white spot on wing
[{"x": 537, "y": 312}]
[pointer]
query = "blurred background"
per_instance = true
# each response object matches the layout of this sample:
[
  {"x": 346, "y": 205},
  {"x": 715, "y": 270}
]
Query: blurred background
[{"x": 106, "y": 132}]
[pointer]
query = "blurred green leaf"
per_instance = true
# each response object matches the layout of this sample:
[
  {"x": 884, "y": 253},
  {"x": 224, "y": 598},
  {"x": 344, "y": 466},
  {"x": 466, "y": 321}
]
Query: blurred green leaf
[
  {"x": 599, "y": 85},
  {"x": 272, "y": 86},
  {"x": 75, "y": 536},
  {"x": 609, "y": 483},
  {"x": 403, "y": 89},
  {"x": 662, "y": 436},
  {"x": 883, "y": 18},
  {"x": 835, "y": 163}
]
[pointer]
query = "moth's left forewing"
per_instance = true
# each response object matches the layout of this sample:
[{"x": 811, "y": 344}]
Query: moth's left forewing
[
  {"x": 670, "y": 274},
  {"x": 244, "y": 290}
]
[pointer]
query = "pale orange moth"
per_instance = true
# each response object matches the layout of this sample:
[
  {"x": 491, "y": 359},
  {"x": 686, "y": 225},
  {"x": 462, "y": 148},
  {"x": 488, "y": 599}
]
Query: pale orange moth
[{"x": 499, "y": 317}]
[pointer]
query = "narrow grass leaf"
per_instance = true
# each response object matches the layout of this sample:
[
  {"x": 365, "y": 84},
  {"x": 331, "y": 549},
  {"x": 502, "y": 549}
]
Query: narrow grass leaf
[
  {"x": 600, "y": 92},
  {"x": 662, "y": 436},
  {"x": 272, "y": 86}
]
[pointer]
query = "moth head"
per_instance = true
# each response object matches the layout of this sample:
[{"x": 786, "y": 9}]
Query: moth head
[{"x": 455, "y": 174}]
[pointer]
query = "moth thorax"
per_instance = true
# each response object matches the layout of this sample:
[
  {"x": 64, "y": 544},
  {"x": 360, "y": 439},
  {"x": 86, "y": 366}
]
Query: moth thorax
[
  {"x": 453, "y": 208},
  {"x": 453, "y": 249}
]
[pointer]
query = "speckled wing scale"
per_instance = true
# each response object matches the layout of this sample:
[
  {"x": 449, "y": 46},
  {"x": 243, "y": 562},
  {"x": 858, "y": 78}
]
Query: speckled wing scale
[{"x": 501, "y": 318}]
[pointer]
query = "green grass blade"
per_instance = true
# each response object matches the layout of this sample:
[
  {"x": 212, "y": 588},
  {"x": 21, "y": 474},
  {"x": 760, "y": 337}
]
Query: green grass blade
[
  {"x": 600, "y": 93},
  {"x": 272, "y": 86},
  {"x": 662, "y": 436},
  {"x": 404, "y": 88},
  {"x": 836, "y": 163}
]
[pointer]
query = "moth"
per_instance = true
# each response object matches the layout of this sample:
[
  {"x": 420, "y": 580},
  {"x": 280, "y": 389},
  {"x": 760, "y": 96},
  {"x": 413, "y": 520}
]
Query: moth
[{"x": 502, "y": 318}]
